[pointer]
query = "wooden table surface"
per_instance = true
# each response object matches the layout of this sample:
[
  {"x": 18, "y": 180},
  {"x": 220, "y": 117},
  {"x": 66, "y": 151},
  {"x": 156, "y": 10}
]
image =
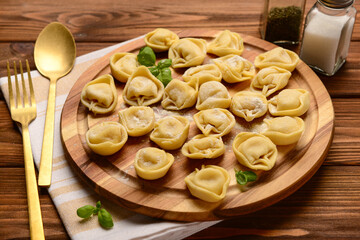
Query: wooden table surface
[{"x": 327, "y": 206}]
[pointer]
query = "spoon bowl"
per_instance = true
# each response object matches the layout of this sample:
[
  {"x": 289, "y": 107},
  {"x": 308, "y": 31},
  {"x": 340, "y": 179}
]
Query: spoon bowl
[{"x": 54, "y": 56}]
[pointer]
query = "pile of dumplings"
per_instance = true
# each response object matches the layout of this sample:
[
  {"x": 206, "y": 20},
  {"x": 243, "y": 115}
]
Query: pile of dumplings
[{"x": 200, "y": 87}]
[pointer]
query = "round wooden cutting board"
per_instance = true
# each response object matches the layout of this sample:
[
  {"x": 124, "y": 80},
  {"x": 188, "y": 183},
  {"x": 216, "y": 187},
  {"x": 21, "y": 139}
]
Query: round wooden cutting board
[{"x": 114, "y": 177}]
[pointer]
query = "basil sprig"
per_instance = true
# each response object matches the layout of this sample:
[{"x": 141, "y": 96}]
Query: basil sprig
[
  {"x": 104, "y": 217},
  {"x": 243, "y": 177},
  {"x": 161, "y": 71}
]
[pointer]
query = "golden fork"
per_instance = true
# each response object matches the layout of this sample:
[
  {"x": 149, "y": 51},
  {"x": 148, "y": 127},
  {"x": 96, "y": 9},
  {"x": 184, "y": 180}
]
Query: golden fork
[{"x": 24, "y": 111}]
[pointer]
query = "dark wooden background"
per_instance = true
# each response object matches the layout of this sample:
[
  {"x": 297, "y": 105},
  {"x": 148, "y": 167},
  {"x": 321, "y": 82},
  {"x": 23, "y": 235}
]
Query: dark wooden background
[{"x": 328, "y": 206}]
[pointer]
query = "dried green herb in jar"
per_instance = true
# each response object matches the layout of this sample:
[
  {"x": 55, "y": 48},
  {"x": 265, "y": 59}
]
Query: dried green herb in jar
[{"x": 283, "y": 24}]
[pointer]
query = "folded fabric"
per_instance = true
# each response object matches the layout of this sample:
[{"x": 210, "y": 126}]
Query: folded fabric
[{"x": 68, "y": 192}]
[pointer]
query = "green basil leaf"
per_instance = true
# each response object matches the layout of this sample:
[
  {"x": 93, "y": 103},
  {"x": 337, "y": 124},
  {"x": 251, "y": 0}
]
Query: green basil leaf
[
  {"x": 85, "y": 211},
  {"x": 251, "y": 176},
  {"x": 98, "y": 204},
  {"x": 146, "y": 56},
  {"x": 241, "y": 178},
  {"x": 105, "y": 219},
  {"x": 165, "y": 76},
  {"x": 165, "y": 63},
  {"x": 154, "y": 71}
]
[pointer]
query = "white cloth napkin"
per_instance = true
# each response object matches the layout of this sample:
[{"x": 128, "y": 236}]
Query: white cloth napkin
[{"x": 69, "y": 193}]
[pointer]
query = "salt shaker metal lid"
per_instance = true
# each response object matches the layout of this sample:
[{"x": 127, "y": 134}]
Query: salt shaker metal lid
[{"x": 337, "y": 3}]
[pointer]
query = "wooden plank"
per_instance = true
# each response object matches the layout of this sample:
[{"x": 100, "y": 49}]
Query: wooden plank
[
  {"x": 327, "y": 206},
  {"x": 345, "y": 149},
  {"x": 128, "y": 20},
  {"x": 332, "y": 215},
  {"x": 13, "y": 207},
  {"x": 10, "y": 139}
]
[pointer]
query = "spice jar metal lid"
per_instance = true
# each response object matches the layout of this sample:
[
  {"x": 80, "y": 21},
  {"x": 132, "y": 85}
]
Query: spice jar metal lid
[{"x": 337, "y": 3}]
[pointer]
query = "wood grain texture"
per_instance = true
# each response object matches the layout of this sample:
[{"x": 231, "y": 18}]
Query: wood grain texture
[
  {"x": 149, "y": 197},
  {"x": 325, "y": 208},
  {"x": 127, "y": 19}
]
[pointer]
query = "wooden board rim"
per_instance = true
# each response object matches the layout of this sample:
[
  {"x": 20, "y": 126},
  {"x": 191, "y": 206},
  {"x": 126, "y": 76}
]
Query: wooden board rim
[{"x": 319, "y": 147}]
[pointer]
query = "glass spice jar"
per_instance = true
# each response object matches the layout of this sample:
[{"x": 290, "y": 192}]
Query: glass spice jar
[
  {"x": 327, "y": 35},
  {"x": 281, "y": 21}
]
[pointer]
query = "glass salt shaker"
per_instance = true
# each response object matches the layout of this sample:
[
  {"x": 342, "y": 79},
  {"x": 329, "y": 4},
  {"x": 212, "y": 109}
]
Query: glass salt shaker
[
  {"x": 281, "y": 21},
  {"x": 327, "y": 34}
]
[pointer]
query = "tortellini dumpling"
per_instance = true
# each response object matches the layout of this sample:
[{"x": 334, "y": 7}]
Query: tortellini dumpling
[
  {"x": 226, "y": 43},
  {"x": 122, "y": 65},
  {"x": 290, "y": 102},
  {"x": 106, "y": 138},
  {"x": 284, "y": 130},
  {"x": 179, "y": 95},
  {"x": 187, "y": 52},
  {"x": 100, "y": 95},
  {"x": 138, "y": 120},
  {"x": 270, "y": 79},
  {"x": 142, "y": 88},
  {"x": 201, "y": 146},
  {"x": 160, "y": 39},
  {"x": 213, "y": 95},
  {"x": 235, "y": 68},
  {"x": 210, "y": 183},
  {"x": 278, "y": 57},
  {"x": 203, "y": 73},
  {"x": 248, "y": 105},
  {"x": 170, "y": 132},
  {"x": 216, "y": 122},
  {"x": 152, "y": 163},
  {"x": 255, "y": 151}
]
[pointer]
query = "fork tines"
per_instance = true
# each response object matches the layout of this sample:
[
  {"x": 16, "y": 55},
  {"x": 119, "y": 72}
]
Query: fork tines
[{"x": 19, "y": 102}]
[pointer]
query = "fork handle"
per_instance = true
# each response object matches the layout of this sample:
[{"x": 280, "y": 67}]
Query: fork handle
[
  {"x": 35, "y": 219},
  {"x": 48, "y": 138}
]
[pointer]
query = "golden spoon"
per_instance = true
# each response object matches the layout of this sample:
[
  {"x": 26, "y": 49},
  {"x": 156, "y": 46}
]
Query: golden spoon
[{"x": 54, "y": 56}]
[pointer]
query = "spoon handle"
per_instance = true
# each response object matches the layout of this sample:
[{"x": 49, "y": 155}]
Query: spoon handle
[{"x": 48, "y": 139}]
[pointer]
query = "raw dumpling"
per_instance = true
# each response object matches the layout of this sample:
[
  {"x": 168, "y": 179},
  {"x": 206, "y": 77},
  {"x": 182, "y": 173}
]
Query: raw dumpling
[
  {"x": 160, "y": 39},
  {"x": 216, "y": 122},
  {"x": 152, "y": 163},
  {"x": 170, "y": 132},
  {"x": 100, "y": 95},
  {"x": 106, "y": 138},
  {"x": 290, "y": 102},
  {"x": 187, "y": 52},
  {"x": 284, "y": 130},
  {"x": 200, "y": 147},
  {"x": 278, "y": 57},
  {"x": 137, "y": 120},
  {"x": 213, "y": 95},
  {"x": 142, "y": 88},
  {"x": 235, "y": 68},
  {"x": 255, "y": 151},
  {"x": 209, "y": 184},
  {"x": 226, "y": 43},
  {"x": 203, "y": 73},
  {"x": 178, "y": 95},
  {"x": 122, "y": 65},
  {"x": 270, "y": 79},
  {"x": 248, "y": 105}
]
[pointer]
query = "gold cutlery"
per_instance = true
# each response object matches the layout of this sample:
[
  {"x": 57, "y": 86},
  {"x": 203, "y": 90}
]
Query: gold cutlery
[
  {"x": 24, "y": 112},
  {"x": 54, "y": 56}
]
